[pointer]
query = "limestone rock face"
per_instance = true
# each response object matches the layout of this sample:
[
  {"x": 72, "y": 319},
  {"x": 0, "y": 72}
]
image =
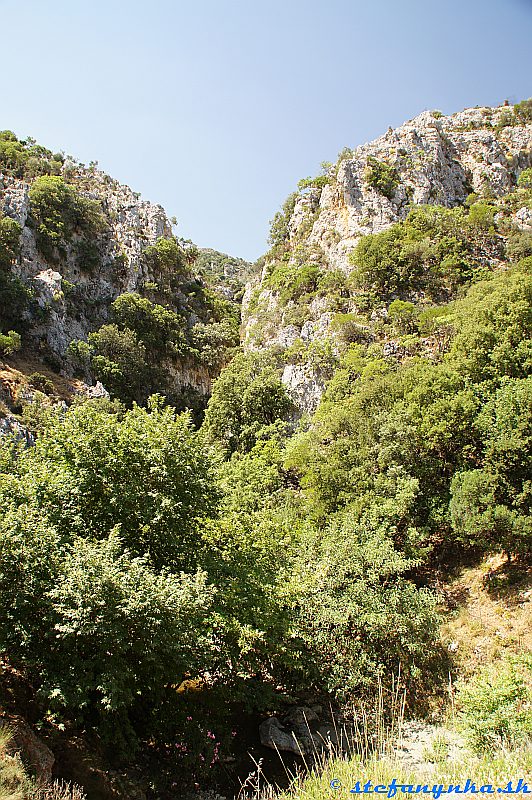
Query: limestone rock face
[
  {"x": 133, "y": 225},
  {"x": 436, "y": 160},
  {"x": 304, "y": 386},
  {"x": 70, "y": 298}
]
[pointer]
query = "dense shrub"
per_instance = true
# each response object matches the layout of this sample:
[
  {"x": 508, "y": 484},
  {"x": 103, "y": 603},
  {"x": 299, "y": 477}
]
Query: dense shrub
[
  {"x": 294, "y": 282},
  {"x": 247, "y": 395},
  {"x": 359, "y": 618},
  {"x": 10, "y": 342},
  {"x": 158, "y": 328},
  {"x": 433, "y": 250},
  {"x": 491, "y": 506},
  {"x": 525, "y": 179},
  {"x": 10, "y": 231},
  {"x": 496, "y": 705},
  {"x": 519, "y": 245},
  {"x": 41, "y": 383},
  {"x": 118, "y": 359},
  {"x": 59, "y": 211},
  {"x": 165, "y": 257},
  {"x": 279, "y": 224},
  {"x": 381, "y": 176},
  {"x": 26, "y": 159}
]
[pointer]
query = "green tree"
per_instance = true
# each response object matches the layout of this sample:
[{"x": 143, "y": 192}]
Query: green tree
[
  {"x": 145, "y": 471},
  {"x": 59, "y": 210},
  {"x": 118, "y": 359},
  {"x": 381, "y": 176},
  {"x": 491, "y": 506},
  {"x": 247, "y": 395}
]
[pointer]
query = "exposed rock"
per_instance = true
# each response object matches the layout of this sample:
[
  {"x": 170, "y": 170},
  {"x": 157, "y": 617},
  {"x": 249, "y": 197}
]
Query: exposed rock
[
  {"x": 10, "y": 426},
  {"x": 274, "y": 735},
  {"x": 34, "y": 752},
  {"x": 438, "y": 160},
  {"x": 421, "y": 745},
  {"x": 304, "y": 386},
  {"x": 295, "y": 735}
]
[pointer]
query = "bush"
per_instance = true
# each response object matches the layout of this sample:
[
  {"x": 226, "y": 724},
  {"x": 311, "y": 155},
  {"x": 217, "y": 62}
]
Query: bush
[
  {"x": 432, "y": 250},
  {"x": 41, "y": 383},
  {"x": 496, "y": 705},
  {"x": 525, "y": 179},
  {"x": 519, "y": 245},
  {"x": 145, "y": 471},
  {"x": 359, "y": 618},
  {"x": 59, "y": 210},
  {"x": 10, "y": 231},
  {"x": 523, "y": 111},
  {"x": 166, "y": 257},
  {"x": 26, "y": 159},
  {"x": 247, "y": 395},
  {"x": 10, "y": 342},
  {"x": 402, "y": 316},
  {"x": 279, "y": 224},
  {"x": 158, "y": 328},
  {"x": 491, "y": 506},
  {"x": 118, "y": 359},
  {"x": 382, "y": 177}
]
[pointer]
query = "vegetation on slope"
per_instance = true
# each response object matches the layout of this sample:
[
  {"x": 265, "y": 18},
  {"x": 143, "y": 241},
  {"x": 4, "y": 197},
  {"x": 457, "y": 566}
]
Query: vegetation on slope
[{"x": 154, "y": 574}]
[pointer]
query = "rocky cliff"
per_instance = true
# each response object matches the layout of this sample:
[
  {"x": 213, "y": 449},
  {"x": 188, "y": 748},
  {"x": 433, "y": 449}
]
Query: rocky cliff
[
  {"x": 74, "y": 240},
  {"x": 474, "y": 156}
]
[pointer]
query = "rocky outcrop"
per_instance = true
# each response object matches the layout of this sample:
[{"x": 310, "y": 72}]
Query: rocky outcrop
[
  {"x": 72, "y": 297},
  {"x": 438, "y": 159},
  {"x": 435, "y": 160},
  {"x": 35, "y": 753}
]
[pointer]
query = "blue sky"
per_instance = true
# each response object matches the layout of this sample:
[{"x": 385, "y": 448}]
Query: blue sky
[{"x": 217, "y": 109}]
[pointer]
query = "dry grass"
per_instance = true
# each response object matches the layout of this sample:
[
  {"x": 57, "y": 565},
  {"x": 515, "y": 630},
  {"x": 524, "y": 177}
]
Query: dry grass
[
  {"x": 496, "y": 770},
  {"x": 14, "y": 376},
  {"x": 493, "y": 617},
  {"x": 15, "y": 784}
]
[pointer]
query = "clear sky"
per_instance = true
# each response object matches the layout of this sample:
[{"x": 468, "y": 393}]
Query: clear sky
[{"x": 216, "y": 108}]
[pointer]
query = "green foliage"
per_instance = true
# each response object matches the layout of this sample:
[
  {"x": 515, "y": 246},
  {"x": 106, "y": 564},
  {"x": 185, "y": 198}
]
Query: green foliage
[
  {"x": 519, "y": 245},
  {"x": 10, "y": 342},
  {"x": 41, "y": 383},
  {"x": 382, "y": 177},
  {"x": 317, "y": 182},
  {"x": 491, "y": 506},
  {"x": 523, "y": 111},
  {"x": 123, "y": 631},
  {"x": 433, "y": 250},
  {"x": 493, "y": 324},
  {"x": 158, "y": 328},
  {"x": 496, "y": 705},
  {"x": 166, "y": 257},
  {"x": 118, "y": 359},
  {"x": 525, "y": 179},
  {"x": 10, "y": 231},
  {"x": 14, "y": 294},
  {"x": 26, "y": 159},
  {"x": 247, "y": 395},
  {"x": 59, "y": 211},
  {"x": 279, "y": 224},
  {"x": 402, "y": 316},
  {"x": 292, "y": 282},
  {"x": 146, "y": 472},
  {"x": 215, "y": 342},
  {"x": 359, "y": 617},
  {"x": 521, "y": 114}
]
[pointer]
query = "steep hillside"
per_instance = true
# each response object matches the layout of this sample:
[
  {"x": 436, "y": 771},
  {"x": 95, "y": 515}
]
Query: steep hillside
[
  {"x": 84, "y": 258},
  {"x": 182, "y": 597},
  {"x": 329, "y": 277}
]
